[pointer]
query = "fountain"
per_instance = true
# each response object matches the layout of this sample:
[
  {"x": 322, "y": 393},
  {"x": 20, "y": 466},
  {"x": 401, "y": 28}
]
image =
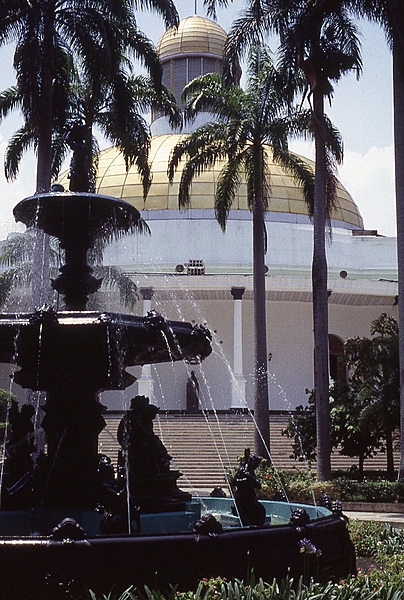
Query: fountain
[{"x": 69, "y": 520}]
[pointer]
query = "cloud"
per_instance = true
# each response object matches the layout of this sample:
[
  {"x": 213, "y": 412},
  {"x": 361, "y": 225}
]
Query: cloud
[{"x": 369, "y": 178}]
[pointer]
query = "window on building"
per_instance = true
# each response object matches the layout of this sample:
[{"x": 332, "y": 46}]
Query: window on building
[{"x": 336, "y": 350}]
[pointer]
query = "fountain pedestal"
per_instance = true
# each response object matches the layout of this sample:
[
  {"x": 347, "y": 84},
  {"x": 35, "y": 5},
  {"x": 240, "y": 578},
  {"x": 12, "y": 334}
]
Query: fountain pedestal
[{"x": 72, "y": 423}]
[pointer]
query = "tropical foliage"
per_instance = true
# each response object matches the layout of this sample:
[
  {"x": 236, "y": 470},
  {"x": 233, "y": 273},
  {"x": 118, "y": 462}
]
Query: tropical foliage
[
  {"x": 390, "y": 15},
  {"x": 365, "y": 409},
  {"x": 374, "y": 379},
  {"x": 16, "y": 257},
  {"x": 243, "y": 123},
  {"x": 50, "y": 37}
]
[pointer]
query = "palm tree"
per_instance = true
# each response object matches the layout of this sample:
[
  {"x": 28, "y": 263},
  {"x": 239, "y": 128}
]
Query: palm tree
[
  {"x": 246, "y": 121},
  {"x": 318, "y": 38},
  {"x": 47, "y": 29},
  {"x": 95, "y": 33},
  {"x": 116, "y": 106},
  {"x": 390, "y": 15},
  {"x": 16, "y": 258}
]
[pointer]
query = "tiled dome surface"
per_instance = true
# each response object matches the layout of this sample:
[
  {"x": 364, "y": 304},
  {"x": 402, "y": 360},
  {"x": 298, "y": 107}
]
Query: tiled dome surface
[
  {"x": 195, "y": 35},
  {"x": 286, "y": 195}
]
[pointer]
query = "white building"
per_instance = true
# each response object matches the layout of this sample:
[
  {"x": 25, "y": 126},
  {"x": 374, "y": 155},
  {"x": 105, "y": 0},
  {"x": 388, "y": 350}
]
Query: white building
[{"x": 189, "y": 270}]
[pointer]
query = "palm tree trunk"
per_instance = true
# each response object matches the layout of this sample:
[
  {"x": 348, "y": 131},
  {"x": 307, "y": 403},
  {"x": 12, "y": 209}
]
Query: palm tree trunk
[
  {"x": 261, "y": 391},
  {"x": 40, "y": 264},
  {"x": 398, "y": 84},
  {"x": 320, "y": 296},
  {"x": 41, "y": 280}
]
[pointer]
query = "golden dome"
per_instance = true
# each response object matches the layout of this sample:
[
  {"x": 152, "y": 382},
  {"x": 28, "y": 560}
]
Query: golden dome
[
  {"x": 194, "y": 35},
  {"x": 286, "y": 196}
]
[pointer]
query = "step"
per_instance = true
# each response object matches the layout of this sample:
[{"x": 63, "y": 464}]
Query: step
[{"x": 190, "y": 437}]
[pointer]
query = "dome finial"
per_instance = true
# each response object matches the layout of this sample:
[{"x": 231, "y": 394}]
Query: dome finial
[{"x": 196, "y": 7}]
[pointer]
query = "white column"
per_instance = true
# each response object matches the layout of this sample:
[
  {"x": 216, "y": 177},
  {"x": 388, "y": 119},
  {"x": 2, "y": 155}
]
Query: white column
[
  {"x": 238, "y": 382},
  {"x": 145, "y": 381}
]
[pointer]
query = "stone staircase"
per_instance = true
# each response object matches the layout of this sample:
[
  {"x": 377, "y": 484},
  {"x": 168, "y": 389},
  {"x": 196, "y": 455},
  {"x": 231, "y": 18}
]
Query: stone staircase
[{"x": 205, "y": 447}]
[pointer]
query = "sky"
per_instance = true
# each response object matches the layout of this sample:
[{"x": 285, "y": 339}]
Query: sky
[{"x": 362, "y": 111}]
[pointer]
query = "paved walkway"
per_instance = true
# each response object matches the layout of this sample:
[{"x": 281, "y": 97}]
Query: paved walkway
[{"x": 393, "y": 518}]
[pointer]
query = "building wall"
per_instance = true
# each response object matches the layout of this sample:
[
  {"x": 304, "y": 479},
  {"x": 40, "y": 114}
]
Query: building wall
[
  {"x": 179, "y": 236},
  {"x": 290, "y": 342}
]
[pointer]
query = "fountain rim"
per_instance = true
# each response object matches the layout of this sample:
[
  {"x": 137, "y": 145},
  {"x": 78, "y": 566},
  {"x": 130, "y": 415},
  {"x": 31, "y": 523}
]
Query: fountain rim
[{"x": 323, "y": 515}]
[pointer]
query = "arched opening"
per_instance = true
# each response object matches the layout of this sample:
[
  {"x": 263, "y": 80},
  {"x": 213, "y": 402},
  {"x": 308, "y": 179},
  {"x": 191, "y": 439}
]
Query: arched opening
[{"x": 336, "y": 350}]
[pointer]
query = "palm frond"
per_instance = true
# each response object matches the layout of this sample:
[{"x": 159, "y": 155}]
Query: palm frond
[
  {"x": 116, "y": 279},
  {"x": 10, "y": 99},
  {"x": 21, "y": 141},
  {"x": 227, "y": 185},
  {"x": 333, "y": 140},
  {"x": 17, "y": 249},
  {"x": 208, "y": 93},
  {"x": 12, "y": 278},
  {"x": 210, "y": 7},
  {"x": 244, "y": 32},
  {"x": 165, "y": 8},
  {"x": 300, "y": 171},
  {"x": 195, "y": 165},
  {"x": 145, "y": 52},
  {"x": 210, "y": 138}
]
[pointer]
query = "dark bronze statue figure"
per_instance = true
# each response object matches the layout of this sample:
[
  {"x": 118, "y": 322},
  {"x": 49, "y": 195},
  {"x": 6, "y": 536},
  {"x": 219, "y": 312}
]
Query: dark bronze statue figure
[
  {"x": 146, "y": 454},
  {"x": 79, "y": 176},
  {"x": 245, "y": 482},
  {"x": 146, "y": 462},
  {"x": 20, "y": 447}
]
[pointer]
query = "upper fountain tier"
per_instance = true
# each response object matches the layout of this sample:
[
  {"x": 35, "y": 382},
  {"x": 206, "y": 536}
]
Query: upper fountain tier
[
  {"x": 76, "y": 220},
  {"x": 70, "y": 216}
]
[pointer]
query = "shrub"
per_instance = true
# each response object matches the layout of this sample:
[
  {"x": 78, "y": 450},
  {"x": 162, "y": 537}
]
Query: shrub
[
  {"x": 388, "y": 574},
  {"x": 361, "y": 587},
  {"x": 391, "y": 541},
  {"x": 300, "y": 491},
  {"x": 369, "y": 491},
  {"x": 300, "y": 485},
  {"x": 365, "y": 536}
]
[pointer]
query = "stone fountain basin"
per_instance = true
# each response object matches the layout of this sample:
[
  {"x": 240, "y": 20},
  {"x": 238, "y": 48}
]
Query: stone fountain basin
[
  {"x": 161, "y": 559},
  {"x": 94, "y": 348}
]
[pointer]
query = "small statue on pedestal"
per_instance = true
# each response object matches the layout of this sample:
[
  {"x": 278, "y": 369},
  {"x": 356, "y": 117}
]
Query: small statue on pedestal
[
  {"x": 79, "y": 177},
  {"x": 192, "y": 394}
]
